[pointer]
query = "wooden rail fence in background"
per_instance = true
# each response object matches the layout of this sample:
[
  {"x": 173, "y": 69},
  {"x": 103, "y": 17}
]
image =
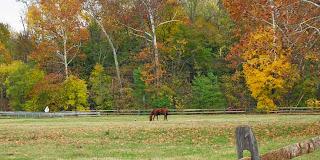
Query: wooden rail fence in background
[{"x": 288, "y": 110}]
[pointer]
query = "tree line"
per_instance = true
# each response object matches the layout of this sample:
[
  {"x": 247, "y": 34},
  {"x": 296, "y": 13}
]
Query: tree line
[{"x": 142, "y": 54}]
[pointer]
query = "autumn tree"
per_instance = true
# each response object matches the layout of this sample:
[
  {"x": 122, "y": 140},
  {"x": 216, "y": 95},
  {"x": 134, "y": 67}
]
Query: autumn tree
[
  {"x": 5, "y": 44},
  {"x": 47, "y": 92},
  {"x": 293, "y": 22},
  {"x": 58, "y": 29},
  {"x": 74, "y": 94},
  {"x": 205, "y": 9},
  {"x": 268, "y": 78},
  {"x": 5, "y": 58},
  {"x": 104, "y": 14},
  {"x": 294, "y": 26},
  {"x": 151, "y": 16},
  {"x": 22, "y": 47},
  {"x": 235, "y": 91}
]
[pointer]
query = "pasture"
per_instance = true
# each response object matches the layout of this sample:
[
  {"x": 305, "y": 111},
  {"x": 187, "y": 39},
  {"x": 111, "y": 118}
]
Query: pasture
[{"x": 135, "y": 137}]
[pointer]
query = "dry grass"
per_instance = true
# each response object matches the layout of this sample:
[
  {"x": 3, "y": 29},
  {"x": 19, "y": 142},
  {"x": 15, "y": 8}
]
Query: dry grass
[{"x": 134, "y": 137}]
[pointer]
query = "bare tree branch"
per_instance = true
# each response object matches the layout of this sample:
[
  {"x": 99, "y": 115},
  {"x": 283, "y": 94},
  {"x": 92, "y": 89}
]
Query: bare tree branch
[
  {"x": 137, "y": 30},
  {"x": 72, "y": 58},
  {"x": 141, "y": 36},
  {"x": 167, "y": 22},
  {"x": 59, "y": 55},
  {"x": 317, "y": 5},
  {"x": 172, "y": 20}
]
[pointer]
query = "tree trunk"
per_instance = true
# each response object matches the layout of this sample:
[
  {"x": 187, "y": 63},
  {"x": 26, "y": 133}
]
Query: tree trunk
[
  {"x": 273, "y": 28},
  {"x": 1, "y": 100},
  {"x": 155, "y": 47},
  {"x": 65, "y": 58},
  {"x": 114, "y": 56}
]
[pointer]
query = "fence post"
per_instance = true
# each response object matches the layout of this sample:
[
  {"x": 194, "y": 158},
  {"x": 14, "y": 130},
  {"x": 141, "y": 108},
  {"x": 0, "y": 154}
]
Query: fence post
[{"x": 246, "y": 141}]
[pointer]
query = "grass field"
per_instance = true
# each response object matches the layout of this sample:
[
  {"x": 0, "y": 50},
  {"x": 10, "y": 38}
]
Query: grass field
[{"x": 134, "y": 137}]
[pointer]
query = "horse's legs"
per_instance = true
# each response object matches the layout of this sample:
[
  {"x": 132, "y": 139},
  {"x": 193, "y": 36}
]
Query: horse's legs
[
  {"x": 153, "y": 117},
  {"x": 157, "y": 118}
]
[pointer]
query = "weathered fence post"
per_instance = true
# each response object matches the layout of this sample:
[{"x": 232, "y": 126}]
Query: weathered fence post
[{"x": 246, "y": 141}]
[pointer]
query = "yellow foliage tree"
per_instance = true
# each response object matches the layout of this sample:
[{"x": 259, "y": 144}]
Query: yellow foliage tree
[
  {"x": 74, "y": 92},
  {"x": 313, "y": 103},
  {"x": 268, "y": 71},
  {"x": 4, "y": 54}
]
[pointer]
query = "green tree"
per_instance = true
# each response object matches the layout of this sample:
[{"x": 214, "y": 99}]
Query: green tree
[
  {"x": 160, "y": 96},
  {"x": 19, "y": 80},
  {"x": 206, "y": 92},
  {"x": 99, "y": 87},
  {"x": 139, "y": 88}
]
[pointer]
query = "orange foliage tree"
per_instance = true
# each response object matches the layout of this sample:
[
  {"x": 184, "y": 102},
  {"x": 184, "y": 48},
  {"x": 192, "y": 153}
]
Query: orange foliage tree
[
  {"x": 292, "y": 27},
  {"x": 152, "y": 16},
  {"x": 58, "y": 29}
]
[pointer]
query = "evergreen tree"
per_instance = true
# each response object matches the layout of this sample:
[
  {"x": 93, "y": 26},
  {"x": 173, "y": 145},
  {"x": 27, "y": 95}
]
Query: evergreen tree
[
  {"x": 139, "y": 88},
  {"x": 206, "y": 92}
]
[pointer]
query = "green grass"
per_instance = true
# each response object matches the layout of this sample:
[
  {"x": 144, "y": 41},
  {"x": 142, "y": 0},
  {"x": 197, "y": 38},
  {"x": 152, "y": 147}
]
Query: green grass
[{"x": 134, "y": 137}]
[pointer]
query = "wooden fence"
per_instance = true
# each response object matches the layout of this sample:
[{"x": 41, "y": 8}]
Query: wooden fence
[
  {"x": 50, "y": 114},
  {"x": 284, "y": 110},
  {"x": 246, "y": 140},
  {"x": 287, "y": 110}
]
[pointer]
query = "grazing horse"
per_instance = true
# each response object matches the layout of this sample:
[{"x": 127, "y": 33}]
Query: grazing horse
[{"x": 159, "y": 111}]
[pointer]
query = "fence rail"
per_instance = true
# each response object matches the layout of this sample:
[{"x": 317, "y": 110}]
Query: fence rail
[
  {"x": 284, "y": 110},
  {"x": 50, "y": 114}
]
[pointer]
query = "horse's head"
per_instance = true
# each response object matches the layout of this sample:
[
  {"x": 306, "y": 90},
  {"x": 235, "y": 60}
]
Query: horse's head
[{"x": 151, "y": 117}]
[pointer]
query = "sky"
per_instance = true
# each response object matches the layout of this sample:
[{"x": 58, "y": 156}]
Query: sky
[{"x": 10, "y": 12}]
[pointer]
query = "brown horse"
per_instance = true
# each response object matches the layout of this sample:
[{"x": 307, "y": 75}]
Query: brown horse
[{"x": 159, "y": 111}]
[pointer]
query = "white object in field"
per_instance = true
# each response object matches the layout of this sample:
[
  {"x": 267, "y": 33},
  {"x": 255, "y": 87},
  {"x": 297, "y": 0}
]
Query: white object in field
[{"x": 46, "y": 110}]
